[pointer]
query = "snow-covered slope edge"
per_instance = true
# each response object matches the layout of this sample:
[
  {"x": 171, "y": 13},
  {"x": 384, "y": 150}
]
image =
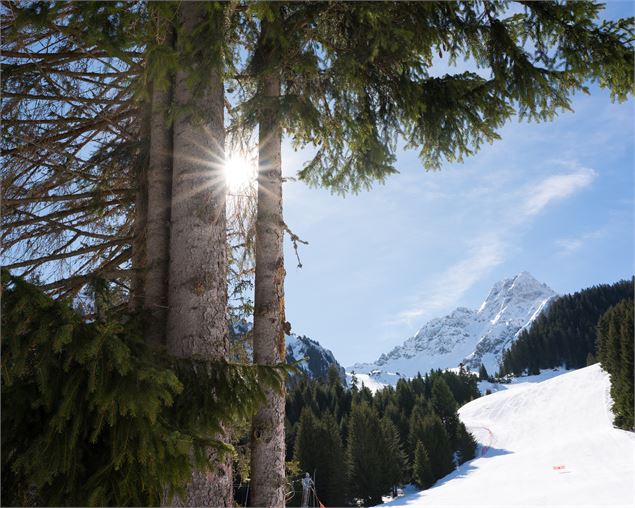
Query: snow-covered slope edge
[
  {"x": 545, "y": 444},
  {"x": 466, "y": 336}
]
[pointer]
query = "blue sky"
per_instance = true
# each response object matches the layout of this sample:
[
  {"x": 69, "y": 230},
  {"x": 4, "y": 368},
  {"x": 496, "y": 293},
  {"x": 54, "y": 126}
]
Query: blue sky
[{"x": 555, "y": 199}]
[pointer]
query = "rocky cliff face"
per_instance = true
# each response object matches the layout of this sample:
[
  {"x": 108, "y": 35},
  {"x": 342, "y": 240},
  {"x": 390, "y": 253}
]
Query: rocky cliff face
[
  {"x": 470, "y": 337},
  {"x": 318, "y": 361}
]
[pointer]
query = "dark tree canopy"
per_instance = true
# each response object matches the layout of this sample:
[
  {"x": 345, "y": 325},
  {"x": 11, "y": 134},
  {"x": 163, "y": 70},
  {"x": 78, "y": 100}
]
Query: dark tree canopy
[
  {"x": 615, "y": 337},
  {"x": 357, "y": 76},
  {"x": 121, "y": 425},
  {"x": 379, "y": 432},
  {"x": 421, "y": 469}
]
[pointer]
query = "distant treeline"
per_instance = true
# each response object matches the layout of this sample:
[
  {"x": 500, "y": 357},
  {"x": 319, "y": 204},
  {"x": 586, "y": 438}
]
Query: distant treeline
[
  {"x": 565, "y": 335},
  {"x": 360, "y": 446}
]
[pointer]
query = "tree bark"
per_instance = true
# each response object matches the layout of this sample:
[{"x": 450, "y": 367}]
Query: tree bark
[
  {"x": 197, "y": 323},
  {"x": 267, "y": 434},
  {"x": 155, "y": 303}
]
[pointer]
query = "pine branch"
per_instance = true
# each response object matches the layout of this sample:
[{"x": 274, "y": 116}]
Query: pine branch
[
  {"x": 92, "y": 125},
  {"x": 64, "y": 255},
  {"x": 61, "y": 213},
  {"x": 64, "y": 98},
  {"x": 66, "y": 197},
  {"x": 64, "y": 54}
]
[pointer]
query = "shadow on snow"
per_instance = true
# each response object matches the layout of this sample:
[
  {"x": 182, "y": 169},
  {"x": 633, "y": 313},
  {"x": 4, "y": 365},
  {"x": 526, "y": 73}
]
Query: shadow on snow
[
  {"x": 461, "y": 472},
  {"x": 467, "y": 467}
]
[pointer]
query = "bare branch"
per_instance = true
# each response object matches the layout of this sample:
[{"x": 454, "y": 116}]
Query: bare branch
[{"x": 63, "y": 255}]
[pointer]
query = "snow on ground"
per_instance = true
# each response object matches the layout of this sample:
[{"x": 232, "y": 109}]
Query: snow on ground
[
  {"x": 377, "y": 380},
  {"x": 545, "y": 374},
  {"x": 365, "y": 379},
  {"x": 548, "y": 443}
]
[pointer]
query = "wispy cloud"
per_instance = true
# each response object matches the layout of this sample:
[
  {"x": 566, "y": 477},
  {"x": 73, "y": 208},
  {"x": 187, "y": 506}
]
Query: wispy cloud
[
  {"x": 492, "y": 245},
  {"x": 554, "y": 188},
  {"x": 568, "y": 246},
  {"x": 484, "y": 254}
]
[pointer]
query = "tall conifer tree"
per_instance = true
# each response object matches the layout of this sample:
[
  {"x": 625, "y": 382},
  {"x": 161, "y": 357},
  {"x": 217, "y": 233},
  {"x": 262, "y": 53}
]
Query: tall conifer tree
[
  {"x": 267, "y": 434},
  {"x": 437, "y": 443},
  {"x": 615, "y": 351},
  {"x": 421, "y": 468},
  {"x": 197, "y": 293},
  {"x": 394, "y": 458},
  {"x": 366, "y": 446},
  {"x": 318, "y": 449},
  {"x": 352, "y": 77}
]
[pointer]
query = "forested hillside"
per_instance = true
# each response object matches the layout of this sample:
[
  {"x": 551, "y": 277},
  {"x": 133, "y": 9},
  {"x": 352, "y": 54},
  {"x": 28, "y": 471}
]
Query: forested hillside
[
  {"x": 565, "y": 333},
  {"x": 360, "y": 446}
]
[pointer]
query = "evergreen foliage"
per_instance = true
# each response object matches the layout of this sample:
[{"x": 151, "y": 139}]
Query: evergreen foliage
[
  {"x": 366, "y": 446},
  {"x": 615, "y": 336},
  {"x": 361, "y": 78},
  {"x": 435, "y": 438},
  {"x": 566, "y": 333},
  {"x": 379, "y": 431},
  {"x": 463, "y": 385},
  {"x": 415, "y": 426},
  {"x": 465, "y": 444},
  {"x": 443, "y": 402},
  {"x": 319, "y": 451},
  {"x": 421, "y": 469},
  {"x": 395, "y": 458},
  {"x": 121, "y": 425},
  {"x": 482, "y": 373}
]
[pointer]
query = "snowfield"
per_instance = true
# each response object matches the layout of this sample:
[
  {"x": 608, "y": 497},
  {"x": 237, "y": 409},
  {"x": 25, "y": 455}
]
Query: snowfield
[{"x": 547, "y": 443}]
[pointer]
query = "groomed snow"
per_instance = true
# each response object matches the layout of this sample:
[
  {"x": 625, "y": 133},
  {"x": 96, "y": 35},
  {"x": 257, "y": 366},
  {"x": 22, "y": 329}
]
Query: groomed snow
[{"x": 548, "y": 443}]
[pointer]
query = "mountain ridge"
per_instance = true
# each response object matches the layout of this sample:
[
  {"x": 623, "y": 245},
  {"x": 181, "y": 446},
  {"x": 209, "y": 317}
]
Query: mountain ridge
[
  {"x": 314, "y": 360},
  {"x": 470, "y": 337},
  {"x": 318, "y": 359}
]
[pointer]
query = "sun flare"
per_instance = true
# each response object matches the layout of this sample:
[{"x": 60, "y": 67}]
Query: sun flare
[{"x": 240, "y": 172}]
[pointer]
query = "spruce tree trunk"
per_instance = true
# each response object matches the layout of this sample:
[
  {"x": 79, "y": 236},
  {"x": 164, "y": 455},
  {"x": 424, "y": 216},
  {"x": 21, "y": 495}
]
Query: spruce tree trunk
[
  {"x": 155, "y": 303},
  {"x": 267, "y": 485},
  {"x": 197, "y": 323}
]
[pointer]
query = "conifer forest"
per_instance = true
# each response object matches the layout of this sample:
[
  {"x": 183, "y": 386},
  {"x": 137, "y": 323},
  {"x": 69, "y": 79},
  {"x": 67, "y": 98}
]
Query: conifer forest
[{"x": 147, "y": 355}]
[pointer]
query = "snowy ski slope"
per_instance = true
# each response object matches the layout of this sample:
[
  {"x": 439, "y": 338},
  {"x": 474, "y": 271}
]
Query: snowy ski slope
[{"x": 549, "y": 443}]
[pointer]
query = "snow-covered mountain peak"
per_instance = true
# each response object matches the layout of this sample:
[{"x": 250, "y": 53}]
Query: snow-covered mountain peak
[
  {"x": 467, "y": 336},
  {"x": 511, "y": 293}
]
